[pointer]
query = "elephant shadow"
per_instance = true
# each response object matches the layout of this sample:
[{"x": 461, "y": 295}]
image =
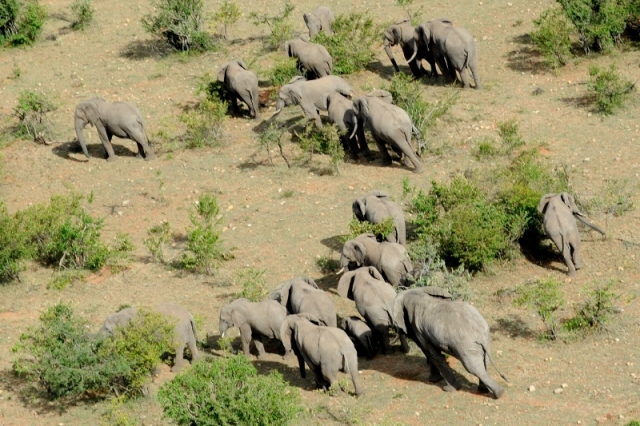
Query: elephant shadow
[
  {"x": 65, "y": 149},
  {"x": 212, "y": 346},
  {"x": 525, "y": 58},
  {"x": 512, "y": 325},
  {"x": 542, "y": 253},
  {"x": 335, "y": 243}
]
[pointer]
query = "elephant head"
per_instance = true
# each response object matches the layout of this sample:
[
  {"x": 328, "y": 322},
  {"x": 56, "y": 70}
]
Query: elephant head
[
  {"x": 313, "y": 23},
  {"x": 233, "y": 315},
  {"x": 119, "y": 319},
  {"x": 223, "y": 69},
  {"x": 281, "y": 294},
  {"x": 424, "y": 34},
  {"x": 87, "y": 112},
  {"x": 361, "y": 105},
  {"x": 345, "y": 285},
  {"x": 359, "y": 206},
  {"x": 393, "y": 36},
  {"x": 293, "y": 47},
  {"x": 289, "y": 94},
  {"x": 354, "y": 252}
]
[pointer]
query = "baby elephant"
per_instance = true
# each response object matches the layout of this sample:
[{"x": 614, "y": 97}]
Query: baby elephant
[
  {"x": 242, "y": 84},
  {"x": 376, "y": 207},
  {"x": 255, "y": 321},
  {"x": 560, "y": 213},
  {"x": 121, "y": 119},
  {"x": 185, "y": 330},
  {"x": 360, "y": 334},
  {"x": 326, "y": 350}
]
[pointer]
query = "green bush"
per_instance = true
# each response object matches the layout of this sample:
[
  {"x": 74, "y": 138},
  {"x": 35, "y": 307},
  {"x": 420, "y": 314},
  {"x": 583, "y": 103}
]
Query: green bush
[
  {"x": 324, "y": 141},
  {"x": 203, "y": 238},
  {"x": 273, "y": 136},
  {"x": 545, "y": 297},
  {"x": 352, "y": 43},
  {"x": 608, "y": 89},
  {"x": 486, "y": 149},
  {"x": 159, "y": 235},
  {"x": 552, "y": 35},
  {"x": 15, "y": 246},
  {"x": 599, "y": 23},
  {"x": 227, "y": 15},
  {"x": 31, "y": 112},
  {"x": 116, "y": 415},
  {"x": 21, "y": 22},
  {"x": 254, "y": 284},
  {"x": 380, "y": 230},
  {"x": 280, "y": 27},
  {"x": 229, "y": 391},
  {"x": 82, "y": 11},
  {"x": 204, "y": 123},
  {"x": 509, "y": 132},
  {"x": 633, "y": 423},
  {"x": 181, "y": 23},
  {"x": 283, "y": 71},
  {"x": 595, "y": 311},
  {"x": 327, "y": 265}
]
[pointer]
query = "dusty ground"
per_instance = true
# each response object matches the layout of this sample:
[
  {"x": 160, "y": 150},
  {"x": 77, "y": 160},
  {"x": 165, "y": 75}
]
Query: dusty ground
[{"x": 284, "y": 236}]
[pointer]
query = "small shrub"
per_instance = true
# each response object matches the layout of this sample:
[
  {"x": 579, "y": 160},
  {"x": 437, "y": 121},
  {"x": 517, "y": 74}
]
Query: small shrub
[
  {"x": 63, "y": 279},
  {"x": 227, "y": 15},
  {"x": 328, "y": 265},
  {"x": 159, "y": 235},
  {"x": 596, "y": 310},
  {"x": 116, "y": 415},
  {"x": 82, "y": 11},
  {"x": 229, "y": 391},
  {"x": 15, "y": 246},
  {"x": 180, "y": 23},
  {"x": 271, "y": 137},
  {"x": 552, "y": 35},
  {"x": 509, "y": 132},
  {"x": 254, "y": 284},
  {"x": 31, "y": 112},
  {"x": 633, "y": 423},
  {"x": 204, "y": 123},
  {"x": 599, "y": 23},
  {"x": 280, "y": 27},
  {"x": 283, "y": 71},
  {"x": 21, "y": 22},
  {"x": 608, "y": 89},
  {"x": 203, "y": 239},
  {"x": 380, "y": 230},
  {"x": 486, "y": 149},
  {"x": 352, "y": 43},
  {"x": 324, "y": 141},
  {"x": 545, "y": 297}
]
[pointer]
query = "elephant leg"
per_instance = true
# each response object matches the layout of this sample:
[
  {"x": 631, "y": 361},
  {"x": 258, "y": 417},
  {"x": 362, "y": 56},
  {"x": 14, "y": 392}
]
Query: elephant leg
[
  {"x": 575, "y": 253},
  {"x": 246, "y": 337},
  {"x": 565, "y": 249},
  {"x": 473, "y": 67},
  {"x": 362, "y": 142},
  {"x": 405, "y": 147},
  {"x": 234, "y": 104},
  {"x": 328, "y": 373},
  {"x": 303, "y": 373},
  {"x": 383, "y": 334},
  {"x": 404, "y": 344},
  {"x": 105, "y": 137},
  {"x": 144, "y": 148},
  {"x": 474, "y": 363},
  {"x": 434, "y": 372},
  {"x": 386, "y": 158},
  {"x": 464, "y": 76},
  {"x": 259, "y": 346},
  {"x": 179, "y": 361},
  {"x": 351, "y": 145},
  {"x": 440, "y": 363}
]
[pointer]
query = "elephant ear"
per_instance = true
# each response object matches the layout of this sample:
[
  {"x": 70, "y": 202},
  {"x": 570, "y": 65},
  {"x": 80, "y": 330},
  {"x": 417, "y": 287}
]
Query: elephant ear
[
  {"x": 397, "y": 33},
  {"x": 437, "y": 292},
  {"x": 222, "y": 72},
  {"x": 398, "y": 312},
  {"x": 375, "y": 273},
  {"x": 288, "y": 49},
  {"x": 570, "y": 202},
  {"x": 296, "y": 97},
  {"x": 444, "y": 20},
  {"x": 379, "y": 194},
  {"x": 286, "y": 331},
  {"x": 359, "y": 207},
  {"x": 277, "y": 294},
  {"x": 383, "y": 95},
  {"x": 239, "y": 316},
  {"x": 90, "y": 109},
  {"x": 242, "y": 64},
  {"x": 309, "y": 281},
  {"x": 360, "y": 252},
  {"x": 345, "y": 285},
  {"x": 544, "y": 201}
]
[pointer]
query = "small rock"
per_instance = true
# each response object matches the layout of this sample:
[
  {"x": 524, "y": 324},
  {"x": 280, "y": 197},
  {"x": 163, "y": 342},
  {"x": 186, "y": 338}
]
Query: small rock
[
  {"x": 532, "y": 388},
  {"x": 558, "y": 391},
  {"x": 120, "y": 213},
  {"x": 564, "y": 385},
  {"x": 125, "y": 202}
]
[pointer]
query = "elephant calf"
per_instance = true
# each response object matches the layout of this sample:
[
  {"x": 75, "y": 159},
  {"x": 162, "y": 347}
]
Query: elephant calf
[
  {"x": 560, "y": 213},
  {"x": 326, "y": 350},
  {"x": 312, "y": 58},
  {"x": 302, "y": 295},
  {"x": 242, "y": 84},
  {"x": 121, "y": 119},
  {"x": 360, "y": 334},
  {"x": 185, "y": 330},
  {"x": 255, "y": 321},
  {"x": 341, "y": 113},
  {"x": 376, "y": 207}
]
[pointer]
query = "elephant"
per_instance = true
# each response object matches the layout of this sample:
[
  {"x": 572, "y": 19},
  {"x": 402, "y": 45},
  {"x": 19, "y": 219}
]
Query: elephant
[
  {"x": 313, "y": 58},
  {"x": 311, "y": 95},
  {"x": 560, "y": 214},
  {"x": 390, "y": 259},
  {"x": 340, "y": 111},
  {"x": 389, "y": 124},
  {"x": 255, "y": 321},
  {"x": 302, "y": 294},
  {"x": 321, "y": 19},
  {"x": 242, "y": 84},
  {"x": 375, "y": 207},
  {"x": 326, "y": 350},
  {"x": 401, "y": 33},
  {"x": 360, "y": 334},
  {"x": 121, "y": 119},
  {"x": 374, "y": 301},
  {"x": 438, "y": 324},
  {"x": 451, "y": 45},
  {"x": 185, "y": 330}
]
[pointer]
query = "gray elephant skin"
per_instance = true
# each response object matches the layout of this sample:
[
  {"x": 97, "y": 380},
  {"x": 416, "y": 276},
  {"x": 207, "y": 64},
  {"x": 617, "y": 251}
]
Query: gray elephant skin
[
  {"x": 121, "y": 119},
  {"x": 312, "y": 58},
  {"x": 302, "y": 295},
  {"x": 451, "y": 45},
  {"x": 401, "y": 33},
  {"x": 374, "y": 301},
  {"x": 256, "y": 320},
  {"x": 390, "y": 259},
  {"x": 390, "y": 125},
  {"x": 242, "y": 84},
  {"x": 185, "y": 330},
  {"x": 321, "y": 19},
  {"x": 341, "y": 113},
  {"x": 311, "y": 95},
  {"x": 360, "y": 334},
  {"x": 560, "y": 214},
  {"x": 438, "y": 324},
  {"x": 326, "y": 350},
  {"x": 376, "y": 207}
]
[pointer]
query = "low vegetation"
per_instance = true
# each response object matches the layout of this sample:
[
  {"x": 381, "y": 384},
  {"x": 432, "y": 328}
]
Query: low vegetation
[
  {"x": 545, "y": 297},
  {"x": 615, "y": 199},
  {"x": 271, "y": 137},
  {"x": 280, "y": 27},
  {"x": 21, "y": 22},
  {"x": 283, "y": 71},
  {"x": 229, "y": 391},
  {"x": 227, "y": 15},
  {"x": 82, "y": 11},
  {"x": 204, "y": 122},
  {"x": 323, "y": 141},
  {"x": 181, "y": 23},
  {"x": 552, "y": 35},
  {"x": 254, "y": 284},
  {"x": 608, "y": 90},
  {"x": 380, "y": 230},
  {"x": 31, "y": 113}
]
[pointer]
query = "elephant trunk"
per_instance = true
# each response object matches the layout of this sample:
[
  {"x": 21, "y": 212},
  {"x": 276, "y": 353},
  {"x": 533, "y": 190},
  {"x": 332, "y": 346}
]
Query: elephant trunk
[
  {"x": 589, "y": 224},
  {"x": 223, "y": 329},
  {"x": 80, "y": 134},
  {"x": 387, "y": 49}
]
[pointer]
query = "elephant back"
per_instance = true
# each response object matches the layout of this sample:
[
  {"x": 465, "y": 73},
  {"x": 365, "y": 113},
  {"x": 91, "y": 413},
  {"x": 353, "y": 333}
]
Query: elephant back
[{"x": 437, "y": 292}]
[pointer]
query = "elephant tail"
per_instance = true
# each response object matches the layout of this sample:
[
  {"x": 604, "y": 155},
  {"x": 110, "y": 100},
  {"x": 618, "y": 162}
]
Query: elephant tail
[
  {"x": 193, "y": 328},
  {"x": 351, "y": 368},
  {"x": 487, "y": 356}
]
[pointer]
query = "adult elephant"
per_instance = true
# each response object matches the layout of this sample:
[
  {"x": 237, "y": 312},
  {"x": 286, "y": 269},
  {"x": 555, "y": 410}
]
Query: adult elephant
[
  {"x": 390, "y": 259},
  {"x": 401, "y": 33},
  {"x": 312, "y": 58},
  {"x": 326, "y": 350},
  {"x": 437, "y": 324},
  {"x": 376, "y": 207},
  {"x": 321, "y": 19},
  {"x": 185, "y": 333},
  {"x": 451, "y": 45},
  {"x": 121, "y": 119},
  {"x": 302, "y": 295},
  {"x": 341, "y": 113},
  {"x": 256, "y": 320},
  {"x": 560, "y": 214},
  {"x": 242, "y": 84},
  {"x": 390, "y": 125},
  {"x": 311, "y": 95},
  {"x": 374, "y": 301}
]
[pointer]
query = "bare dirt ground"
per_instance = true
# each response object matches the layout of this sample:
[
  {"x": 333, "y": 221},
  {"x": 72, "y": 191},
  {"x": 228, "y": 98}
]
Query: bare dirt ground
[{"x": 285, "y": 235}]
